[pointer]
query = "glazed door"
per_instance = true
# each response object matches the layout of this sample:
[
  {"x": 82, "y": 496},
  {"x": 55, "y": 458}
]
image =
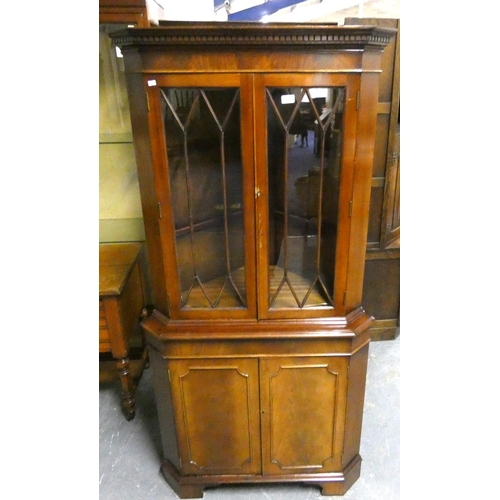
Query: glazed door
[
  {"x": 205, "y": 168},
  {"x": 217, "y": 415},
  {"x": 303, "y": 404},
  {"x": 305, "y": 153}
]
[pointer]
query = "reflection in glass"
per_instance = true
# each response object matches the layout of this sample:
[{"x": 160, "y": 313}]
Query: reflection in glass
[
  {"x": 304, "y": 146},
  {"x": 114, "y": 114},
  {"x": 202, "y": 130},
  {"x": 120, "y": 210}
]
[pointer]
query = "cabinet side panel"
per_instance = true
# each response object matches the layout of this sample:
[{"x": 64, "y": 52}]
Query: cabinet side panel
[
  {"x": 142, "y": 145},
  {"x": 365, "y": 144},
  {"x": 355, "y": 403},
  {"x": 164, "y": 407}
]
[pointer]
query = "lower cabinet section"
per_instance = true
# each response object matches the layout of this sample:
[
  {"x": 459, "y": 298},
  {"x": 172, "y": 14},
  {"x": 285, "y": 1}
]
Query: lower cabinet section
[
  {"x": 259, "y": 417},
  {"x": 230, "y": 409}
]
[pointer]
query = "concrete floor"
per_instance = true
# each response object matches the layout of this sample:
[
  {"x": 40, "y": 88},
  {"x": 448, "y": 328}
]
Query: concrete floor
[{"x": 130, "y": 453}]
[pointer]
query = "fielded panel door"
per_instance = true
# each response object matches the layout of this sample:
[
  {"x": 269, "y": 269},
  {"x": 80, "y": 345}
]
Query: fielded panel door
[
  {"x": 204, "y": 163},
  {"x": 217, "y": 415},
  {"x": 303, "y": 405}
]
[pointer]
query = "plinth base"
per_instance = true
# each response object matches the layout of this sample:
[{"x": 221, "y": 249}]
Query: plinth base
[{"x": 336, "y": 483}]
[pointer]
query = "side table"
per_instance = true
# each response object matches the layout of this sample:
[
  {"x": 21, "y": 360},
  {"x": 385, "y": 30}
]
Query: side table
[{"x": 122, "y": 353}]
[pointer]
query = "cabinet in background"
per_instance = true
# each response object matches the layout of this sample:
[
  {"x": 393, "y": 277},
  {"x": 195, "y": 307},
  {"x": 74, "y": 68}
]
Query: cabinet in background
[
  {"x": 381, "y": 294},
  {"x": 120, "y": 216}
]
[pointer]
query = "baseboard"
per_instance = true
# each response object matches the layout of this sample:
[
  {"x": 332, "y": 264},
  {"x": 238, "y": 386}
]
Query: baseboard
[{"x": 384, "y": 329}]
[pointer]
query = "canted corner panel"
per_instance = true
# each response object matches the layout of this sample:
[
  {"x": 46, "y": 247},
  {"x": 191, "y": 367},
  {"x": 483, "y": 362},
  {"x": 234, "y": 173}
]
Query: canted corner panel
[
  {"x": 216, "y": 402},
  {"x": 303, "y": 404}
]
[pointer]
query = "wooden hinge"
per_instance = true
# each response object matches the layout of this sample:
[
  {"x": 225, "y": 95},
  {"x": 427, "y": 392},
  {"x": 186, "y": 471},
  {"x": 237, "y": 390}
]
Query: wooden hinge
[
  {"x": 350, "y": 208},
  {"x": 147, "y": 101},
  {"x": 345, "y": 297},
  {"x": 357, "y": 100},
  {"x": 169, "y": 378},
  {"x": 160, "y": 213}
]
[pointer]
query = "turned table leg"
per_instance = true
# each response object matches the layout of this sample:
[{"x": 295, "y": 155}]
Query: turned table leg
[{"x": 128, "y": 388}]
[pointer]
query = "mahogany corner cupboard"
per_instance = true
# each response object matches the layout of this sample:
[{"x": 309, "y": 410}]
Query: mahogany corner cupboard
[{"x": 254, "y": 147}]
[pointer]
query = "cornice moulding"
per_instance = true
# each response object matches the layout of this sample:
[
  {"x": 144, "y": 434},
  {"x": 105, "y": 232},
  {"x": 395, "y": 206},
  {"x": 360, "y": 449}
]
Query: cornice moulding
[{"x": 254, "y": 34}]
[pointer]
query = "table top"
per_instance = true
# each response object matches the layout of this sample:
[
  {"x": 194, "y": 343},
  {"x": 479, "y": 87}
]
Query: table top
[{"x": 116, "y": 261}]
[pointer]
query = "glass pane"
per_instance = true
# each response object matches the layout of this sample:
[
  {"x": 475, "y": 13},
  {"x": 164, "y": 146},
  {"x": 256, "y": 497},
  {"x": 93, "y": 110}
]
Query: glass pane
[
  {"x": 304, "y": 145},
  {"x": 203, "y": 138},
  {"x": 120, "y": 210}
]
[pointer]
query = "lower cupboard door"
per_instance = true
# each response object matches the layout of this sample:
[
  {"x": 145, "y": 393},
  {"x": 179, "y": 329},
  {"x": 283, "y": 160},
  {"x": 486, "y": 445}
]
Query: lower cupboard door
[
  {"x": 217, "y": 415},
  {"x": 303, "y": 405}
]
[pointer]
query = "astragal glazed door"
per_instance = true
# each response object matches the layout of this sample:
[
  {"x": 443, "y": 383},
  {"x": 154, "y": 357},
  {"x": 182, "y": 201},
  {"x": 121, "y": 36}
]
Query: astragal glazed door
[
  {"x": 207, "y": 193},
  {"x": 304, "y": 154}
]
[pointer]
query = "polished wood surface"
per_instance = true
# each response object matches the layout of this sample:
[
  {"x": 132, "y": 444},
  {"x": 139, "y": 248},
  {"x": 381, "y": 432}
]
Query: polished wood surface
[
  {"x": 230, "y": 388},
  {"x": 254, "y": 390},
  {"x": 156, "y": 194},
  {"x": 302, "y": 403},
  {"x": 121, "y": 306}
]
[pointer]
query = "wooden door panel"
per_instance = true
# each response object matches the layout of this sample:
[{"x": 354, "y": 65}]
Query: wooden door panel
[
  {"x": 303, "y": 405},
  {"x": 217, "y": 415}
]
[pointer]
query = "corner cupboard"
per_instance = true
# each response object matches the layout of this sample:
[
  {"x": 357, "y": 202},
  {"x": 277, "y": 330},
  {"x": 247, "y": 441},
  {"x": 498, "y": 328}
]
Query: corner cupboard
[{"x": 254, "y": 147}]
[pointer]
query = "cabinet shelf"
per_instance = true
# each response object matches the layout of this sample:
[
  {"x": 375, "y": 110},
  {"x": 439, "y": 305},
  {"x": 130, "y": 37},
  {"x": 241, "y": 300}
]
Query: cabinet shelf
[
  {"x": 288, "y": 292},
  {"x": 227, "y": 292},
  {"x": 224, "y": 292}
]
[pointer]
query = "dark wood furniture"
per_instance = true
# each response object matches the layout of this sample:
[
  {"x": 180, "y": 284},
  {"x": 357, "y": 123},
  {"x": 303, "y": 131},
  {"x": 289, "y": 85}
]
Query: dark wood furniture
[
  {"x": 381, "y": 294},
  {"x": 137, "y": 12},
  {"x": 121, "y": 307},
  {"x": 258, "y": 341}
]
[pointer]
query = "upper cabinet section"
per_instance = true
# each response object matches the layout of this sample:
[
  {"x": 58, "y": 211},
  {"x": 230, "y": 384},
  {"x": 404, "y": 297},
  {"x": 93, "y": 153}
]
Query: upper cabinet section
[{"x": 255, "y": 148}]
